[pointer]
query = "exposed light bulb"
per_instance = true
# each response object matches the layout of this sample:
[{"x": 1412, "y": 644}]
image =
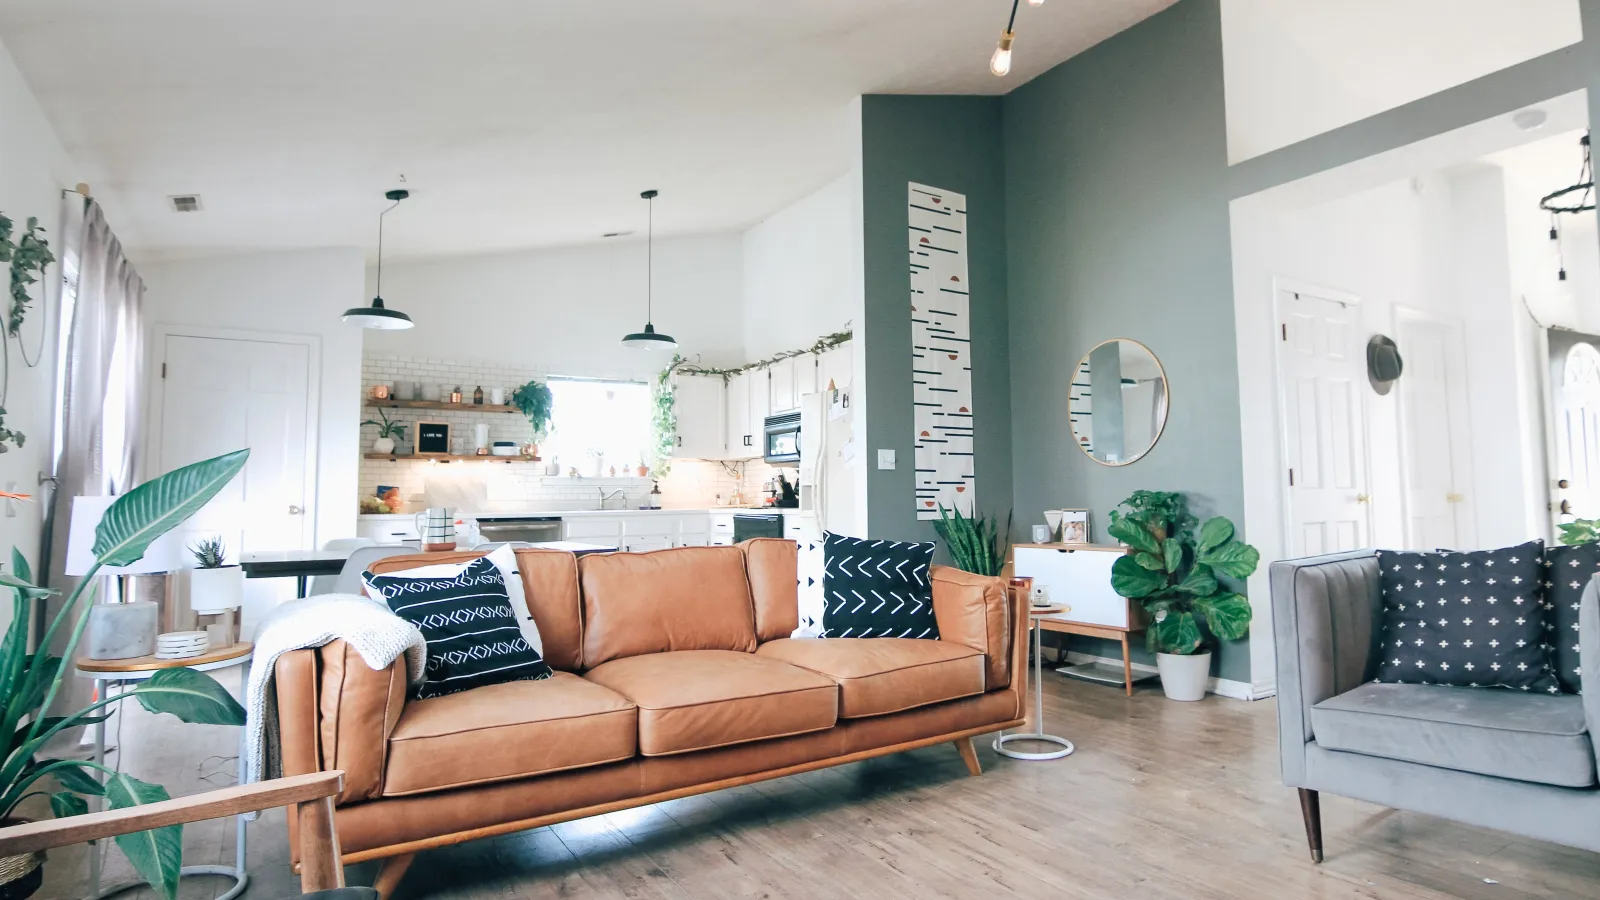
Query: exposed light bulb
[
  {"x": 1000, "y": 62},
  {"x": 1035, "y": 2}
]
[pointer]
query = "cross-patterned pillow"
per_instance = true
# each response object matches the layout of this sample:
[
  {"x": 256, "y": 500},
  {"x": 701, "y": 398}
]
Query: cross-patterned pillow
[
  {"x": 1466, "y": 619},
  {"x": 1567, "y": 571},
  {"x": 877, "y": 589},
  {"x": 472, "y": 632}
]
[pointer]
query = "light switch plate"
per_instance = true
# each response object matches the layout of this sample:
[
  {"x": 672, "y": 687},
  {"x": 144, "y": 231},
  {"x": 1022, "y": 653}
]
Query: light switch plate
[{"x": 885, "y": 458}]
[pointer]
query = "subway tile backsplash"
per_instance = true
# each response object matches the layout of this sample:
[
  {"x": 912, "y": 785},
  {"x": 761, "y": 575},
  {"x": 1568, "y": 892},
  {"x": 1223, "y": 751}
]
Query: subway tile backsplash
[{"x": 486, "y": 486}]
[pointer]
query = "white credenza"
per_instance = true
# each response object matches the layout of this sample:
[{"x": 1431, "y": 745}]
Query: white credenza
[{"x": 1078, "y": 577}]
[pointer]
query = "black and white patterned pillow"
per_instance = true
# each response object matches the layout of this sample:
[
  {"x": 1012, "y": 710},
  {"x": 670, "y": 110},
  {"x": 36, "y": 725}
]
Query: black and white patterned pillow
[
  {"x": 1567, "y": 571},
  {"x": 473, "y": 635},
  {"x": 1466, "y": 619},
  {"x": 877, "y": 589}
]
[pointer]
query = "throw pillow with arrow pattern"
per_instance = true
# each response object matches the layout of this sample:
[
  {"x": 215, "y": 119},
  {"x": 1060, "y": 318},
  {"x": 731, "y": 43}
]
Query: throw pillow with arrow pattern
[{"x": 877, "y": 589}]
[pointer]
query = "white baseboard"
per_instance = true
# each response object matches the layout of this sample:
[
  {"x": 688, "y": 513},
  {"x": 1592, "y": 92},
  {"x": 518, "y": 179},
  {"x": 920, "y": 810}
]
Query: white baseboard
[{"x": 1222, "y": 687}]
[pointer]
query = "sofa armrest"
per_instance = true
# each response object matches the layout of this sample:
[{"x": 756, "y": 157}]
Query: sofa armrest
[
  {"x": 357, "y": 711},
  {"x": 1326, "y": 618},
  {"x": 1589, "y": 649},
  {"x": 973, "y": 610}
]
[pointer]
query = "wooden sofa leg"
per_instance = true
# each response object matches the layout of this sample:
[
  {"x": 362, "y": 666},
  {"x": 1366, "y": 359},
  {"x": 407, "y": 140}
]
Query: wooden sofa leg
[
  {"x": 969, "y": 755},
  {"x": 394, "y": 869},
  {"x": 1311, "y": 809}
]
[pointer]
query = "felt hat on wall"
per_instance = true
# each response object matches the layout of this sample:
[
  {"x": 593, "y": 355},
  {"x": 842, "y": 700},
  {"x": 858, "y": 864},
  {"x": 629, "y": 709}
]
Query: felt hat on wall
[{"x": 1383, "y": 363}]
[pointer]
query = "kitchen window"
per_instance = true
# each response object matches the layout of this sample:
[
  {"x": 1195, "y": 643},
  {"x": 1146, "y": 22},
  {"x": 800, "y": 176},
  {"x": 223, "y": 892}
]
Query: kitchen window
[{"x": 605, "y": 420}]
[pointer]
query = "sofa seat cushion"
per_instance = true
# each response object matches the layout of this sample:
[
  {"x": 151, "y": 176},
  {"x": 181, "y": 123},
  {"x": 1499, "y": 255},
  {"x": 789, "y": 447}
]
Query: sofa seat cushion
[
  {"x": 878, "y": 676},
  {"x": 505, "y": 731},
  {"x": 697, "y": 699},
  {"x": 1542, "y": 738}
]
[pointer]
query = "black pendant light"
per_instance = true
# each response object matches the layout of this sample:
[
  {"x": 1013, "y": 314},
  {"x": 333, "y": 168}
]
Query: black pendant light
[
  {"x": 649, "y": 338},
  {"x": 377, "y": 315}
]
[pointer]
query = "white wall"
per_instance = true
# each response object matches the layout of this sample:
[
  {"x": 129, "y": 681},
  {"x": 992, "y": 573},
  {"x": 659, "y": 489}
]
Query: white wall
[
  {"x": 566, "y": 310},
  {"x": 33, "y": 170},
  {"x": 799, "y": 281},
  {"x": 295, "y": 292},
  {"x": 1297, "y": 69}
]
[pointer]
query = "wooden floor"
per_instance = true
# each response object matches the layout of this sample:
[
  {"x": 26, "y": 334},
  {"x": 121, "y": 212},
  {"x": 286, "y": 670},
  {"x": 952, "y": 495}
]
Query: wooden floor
[{"x": 1162, "y": 800}]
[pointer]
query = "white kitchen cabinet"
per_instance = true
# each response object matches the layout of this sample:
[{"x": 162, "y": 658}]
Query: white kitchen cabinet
[
  {"x": 388, "y": 529},
  {"x": 577, "y": 529},
  {"x": 783, "y": 397},
  {"x": 692, "y": 540},
  {"x": 805, "y": 376},
  {"x": 701, "y": 409},
  {"x": 740, "y": 441},
  {"x": 647, "y": 542},
  {"x": 834, "y": 366},
  {"x": 760, "y": 407}
]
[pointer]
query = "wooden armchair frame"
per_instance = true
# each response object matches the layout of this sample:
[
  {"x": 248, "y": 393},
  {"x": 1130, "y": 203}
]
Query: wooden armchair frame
[{"x": 310, "y": 795}]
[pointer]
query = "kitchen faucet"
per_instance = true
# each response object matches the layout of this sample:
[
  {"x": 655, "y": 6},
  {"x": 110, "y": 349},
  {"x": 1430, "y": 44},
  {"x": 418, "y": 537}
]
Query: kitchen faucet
[{"x": 607, "y": 495}]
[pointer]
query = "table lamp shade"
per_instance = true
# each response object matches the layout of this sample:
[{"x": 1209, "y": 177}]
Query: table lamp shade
[{"x": 165, "y": 554}]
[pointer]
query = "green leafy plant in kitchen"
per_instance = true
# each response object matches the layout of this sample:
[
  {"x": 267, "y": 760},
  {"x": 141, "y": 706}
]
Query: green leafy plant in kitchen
[
  {"x": 1580, "y": 531},
  {"x": 209, "y": 553},
  {"x": 976, "y": 543},
  {"x": 29, "y": 682},
  {"x": 29, "y": 254},
  {"x": 1176, "y": 573},
  {"x": 386, "y": 428},
  {"x": 663, "y": 418},
  {"x": 536, "y": 402}
]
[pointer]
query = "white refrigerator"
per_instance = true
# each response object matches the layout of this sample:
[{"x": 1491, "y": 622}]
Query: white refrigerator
[{"x": 828, "y": 457}]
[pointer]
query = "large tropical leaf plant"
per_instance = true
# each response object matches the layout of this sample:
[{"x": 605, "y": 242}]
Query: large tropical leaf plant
[
  {"x": 1579, "y": 531},
  {"x": 976, "y": 543},
  {"x": 1180, "y": 576},
  {"x": 29, "y": 682}
]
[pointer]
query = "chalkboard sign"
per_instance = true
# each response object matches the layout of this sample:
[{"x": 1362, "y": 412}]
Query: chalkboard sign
[{"x": 433, "y": 438}]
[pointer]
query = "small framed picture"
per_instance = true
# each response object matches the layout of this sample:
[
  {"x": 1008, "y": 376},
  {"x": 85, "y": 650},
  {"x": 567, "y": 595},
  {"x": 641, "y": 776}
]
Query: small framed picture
[
  {"x": 433, "y": 438},
  {"x": 1075, "y": 527}
]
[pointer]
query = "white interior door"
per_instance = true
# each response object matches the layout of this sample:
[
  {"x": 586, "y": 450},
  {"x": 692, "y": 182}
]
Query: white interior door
[
  {"x": 1575, "y": 415},
  {"x": 224, "y": 394},
  {"x": 1434, "y": 433},
  {"x": 1322, "y": 373}
]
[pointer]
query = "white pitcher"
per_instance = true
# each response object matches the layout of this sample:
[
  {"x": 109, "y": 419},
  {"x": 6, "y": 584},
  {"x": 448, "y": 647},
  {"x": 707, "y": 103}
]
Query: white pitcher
[{"x": 437, "y": 525}]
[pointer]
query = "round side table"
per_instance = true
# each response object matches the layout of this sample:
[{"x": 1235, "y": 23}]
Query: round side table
[
  {"x": 1035, "y": 613},
  {"x": 106, "y": 672}
]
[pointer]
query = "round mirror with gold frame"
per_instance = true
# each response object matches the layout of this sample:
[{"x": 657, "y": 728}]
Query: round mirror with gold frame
[{"x": 1118, "y": 402}]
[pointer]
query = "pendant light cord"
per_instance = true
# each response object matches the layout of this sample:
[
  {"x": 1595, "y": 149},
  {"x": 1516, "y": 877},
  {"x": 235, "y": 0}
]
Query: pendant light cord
[
  {"x": 650, "y": 260},
  {"x": 378, "y": 287},
  {"x": 1011, "y": 23}
]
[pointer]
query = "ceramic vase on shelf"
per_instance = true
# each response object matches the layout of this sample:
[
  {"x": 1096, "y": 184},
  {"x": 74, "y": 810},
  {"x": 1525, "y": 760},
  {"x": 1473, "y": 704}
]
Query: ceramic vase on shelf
[
  {"x": 215, "y": 591},
  {"x": 497, "y": 396},
  {"x": 383, "y": 445},
  {"x": 1184, "y": 676}
]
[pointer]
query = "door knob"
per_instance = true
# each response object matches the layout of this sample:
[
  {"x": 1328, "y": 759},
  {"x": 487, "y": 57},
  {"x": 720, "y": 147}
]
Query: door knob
[
  {"x": 1563, "y": 484},
  {"x": 1566, "y": 507},
  {"x": 1362, "y": 498},
  {"x": 295, "y": 510}
]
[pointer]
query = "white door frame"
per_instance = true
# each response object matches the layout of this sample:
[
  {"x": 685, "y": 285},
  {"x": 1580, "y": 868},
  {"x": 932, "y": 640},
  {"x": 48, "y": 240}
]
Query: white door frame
[
  {"x": 1456, "y": 372},
  {"x": 157, "y": 395},
  {"x": 1280, "y": 285}
]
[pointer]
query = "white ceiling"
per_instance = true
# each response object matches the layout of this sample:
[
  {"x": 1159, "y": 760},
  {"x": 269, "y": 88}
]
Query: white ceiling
[{"x": 516, "y": 124}]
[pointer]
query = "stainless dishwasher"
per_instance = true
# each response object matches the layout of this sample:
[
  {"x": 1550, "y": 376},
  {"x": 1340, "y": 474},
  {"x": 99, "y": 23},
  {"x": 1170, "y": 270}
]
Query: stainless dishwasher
[{"x": 526, "y": 529}]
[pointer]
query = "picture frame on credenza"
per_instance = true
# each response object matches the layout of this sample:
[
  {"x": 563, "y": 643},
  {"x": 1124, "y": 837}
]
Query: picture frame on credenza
[{"x": 1076, "y": 527}]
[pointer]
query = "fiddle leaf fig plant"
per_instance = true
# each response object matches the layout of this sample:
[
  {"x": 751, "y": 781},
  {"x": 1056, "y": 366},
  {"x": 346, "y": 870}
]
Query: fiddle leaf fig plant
[
  {"x": 29, "y": 682},
  {"x": 1580, "y": 531},
  {"x": 1181, "y": 576}
]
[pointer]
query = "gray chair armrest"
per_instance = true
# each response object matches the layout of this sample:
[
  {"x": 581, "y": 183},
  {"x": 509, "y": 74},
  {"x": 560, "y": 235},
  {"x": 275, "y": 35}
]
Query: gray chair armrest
[
  {"x": 1326, "y": 614},
  {"x": 1589, "y": 658}
]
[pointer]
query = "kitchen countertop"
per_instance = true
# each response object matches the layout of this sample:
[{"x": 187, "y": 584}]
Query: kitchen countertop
[{"x": 585, "y": 513}]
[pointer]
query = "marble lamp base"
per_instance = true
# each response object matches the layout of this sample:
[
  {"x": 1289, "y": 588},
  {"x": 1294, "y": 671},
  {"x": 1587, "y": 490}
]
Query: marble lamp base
[{"x": 122, "y": 630}]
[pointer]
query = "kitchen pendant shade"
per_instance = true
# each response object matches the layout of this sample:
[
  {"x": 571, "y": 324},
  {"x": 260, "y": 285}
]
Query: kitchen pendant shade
[
  {"x": 377, "y": 316},
  {"x": 649, "y": 339}
]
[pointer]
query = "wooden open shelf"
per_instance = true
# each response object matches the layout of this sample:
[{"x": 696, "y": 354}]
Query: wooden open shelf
[
  {"x": 467, "y": 406},
  {"x": 395, "y": 457}
]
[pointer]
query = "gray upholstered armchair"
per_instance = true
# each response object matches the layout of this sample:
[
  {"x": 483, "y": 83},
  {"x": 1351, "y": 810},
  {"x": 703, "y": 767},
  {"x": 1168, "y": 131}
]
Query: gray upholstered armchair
[{"x": 1501, "y": 759}]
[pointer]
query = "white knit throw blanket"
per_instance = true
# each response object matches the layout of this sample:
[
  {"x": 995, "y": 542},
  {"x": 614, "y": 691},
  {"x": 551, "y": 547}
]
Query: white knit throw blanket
[{"x": 377, "y": 635}]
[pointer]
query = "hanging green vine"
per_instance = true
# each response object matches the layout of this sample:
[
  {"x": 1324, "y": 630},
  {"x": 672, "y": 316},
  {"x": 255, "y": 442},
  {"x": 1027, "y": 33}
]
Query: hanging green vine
[
  {"x": 29, "y": 256},
  {"x": 664, "y": 397}
]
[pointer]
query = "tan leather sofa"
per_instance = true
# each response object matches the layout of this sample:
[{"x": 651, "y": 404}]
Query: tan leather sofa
[{"x": 675, "y": 675}]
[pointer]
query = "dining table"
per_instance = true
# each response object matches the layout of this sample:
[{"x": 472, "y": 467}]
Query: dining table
[{"x": 303, "y": 565}]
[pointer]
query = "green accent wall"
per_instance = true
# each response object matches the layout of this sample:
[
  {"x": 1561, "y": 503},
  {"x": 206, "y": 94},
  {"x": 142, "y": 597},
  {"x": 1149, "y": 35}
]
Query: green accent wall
[
  {"x": 1116, "y": 170},
  {"x": 952, "y": 143}
]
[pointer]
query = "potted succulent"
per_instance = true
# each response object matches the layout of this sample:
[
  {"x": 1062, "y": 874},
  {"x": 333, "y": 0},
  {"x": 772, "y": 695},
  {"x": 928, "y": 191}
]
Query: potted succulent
[
  {"x": 30, "y": 683},
  {"x": 1179, "y": 576},
  {"x": 214, "y": 586},
  {"x": 387, "y": 432},
  {"x": 976, "y": 543}
]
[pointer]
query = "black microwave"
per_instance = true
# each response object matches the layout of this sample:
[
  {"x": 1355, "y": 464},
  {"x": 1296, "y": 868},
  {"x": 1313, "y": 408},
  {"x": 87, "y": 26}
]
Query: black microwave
[{"x": 781, "y": 440}]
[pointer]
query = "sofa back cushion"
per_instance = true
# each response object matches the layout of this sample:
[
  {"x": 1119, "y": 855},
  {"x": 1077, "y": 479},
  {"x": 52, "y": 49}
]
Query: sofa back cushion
[
  {"x": 772, "y": 564},
  {"x": 549, "y": 588},
  {"x": 691, "y": 598}
]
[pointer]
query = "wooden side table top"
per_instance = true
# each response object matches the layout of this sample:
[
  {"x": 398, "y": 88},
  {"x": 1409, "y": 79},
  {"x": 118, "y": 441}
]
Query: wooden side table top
[
  {"x": 1053, "y": 609},
  {"x": 209, "y": 658}
]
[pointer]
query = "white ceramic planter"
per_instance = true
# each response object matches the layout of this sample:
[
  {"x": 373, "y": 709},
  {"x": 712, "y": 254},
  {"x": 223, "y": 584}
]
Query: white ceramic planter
[
  {"x": 213, "y": 591},
  {"x": 383, "y": 445},
  {"x": 1184, "y": 677}
]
